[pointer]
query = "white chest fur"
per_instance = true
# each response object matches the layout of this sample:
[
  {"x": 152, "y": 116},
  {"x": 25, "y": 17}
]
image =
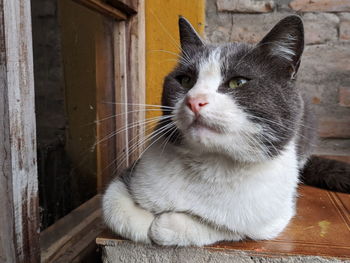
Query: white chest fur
[{"x": 253, "y": 200}]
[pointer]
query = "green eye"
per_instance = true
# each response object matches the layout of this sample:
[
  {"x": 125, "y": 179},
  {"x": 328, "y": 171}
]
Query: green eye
[
  {"x": 186, "y": 81},
  {"x": 237, "y": 82}
]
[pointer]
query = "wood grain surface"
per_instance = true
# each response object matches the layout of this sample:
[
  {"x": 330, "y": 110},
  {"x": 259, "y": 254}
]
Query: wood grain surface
[
  {"x": 320, "y": 228},
  {"x": 19, "y": 217}
]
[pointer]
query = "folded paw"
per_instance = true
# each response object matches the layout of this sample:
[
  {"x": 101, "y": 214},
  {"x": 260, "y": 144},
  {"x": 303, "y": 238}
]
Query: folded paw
[{"x": 169, "y": 229}]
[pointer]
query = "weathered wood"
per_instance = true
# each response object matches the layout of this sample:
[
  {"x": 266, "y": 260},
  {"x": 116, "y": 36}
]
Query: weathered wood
[
  {"x": 19, "y": 225},
  {"x": 106, "y": 150},
  {"x": 136, "y": 78},
  {"x": 7, "y": 249},
  {"x": 127, "y": 6},
  {"x": 103, "y": 8},
  {"x": 141, "y": 62},
  {"x": 129, "y": 94},
  {"x": 130, "y": 86},
  {"x": 320, "y": 232},
  {"x": 121, "y": 74},
  {"x": 69, "y": 237}
]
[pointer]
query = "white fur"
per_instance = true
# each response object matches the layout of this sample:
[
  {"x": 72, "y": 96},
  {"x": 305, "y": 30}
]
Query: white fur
[
  {"x": 285, "y": 47},
  {"x": 221, "y": 184},
  {"x": 181, "y": 229},
  {"x": 123, "y": 216}
]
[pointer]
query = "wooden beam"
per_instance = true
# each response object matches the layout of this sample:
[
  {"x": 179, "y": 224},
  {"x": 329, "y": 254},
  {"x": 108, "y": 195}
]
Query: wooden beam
[
  {"x": 121, "y": 96},
  {"x": 105, "y": 93},
  {"x": 127, "y": 6},
  {"x": 103, "y": 8},
  {"x": 136, "y": 45},
  {"x": 69, "y": 238},
  {"x": 19, "y": 219},
  {"x": 130, "y": 87}
]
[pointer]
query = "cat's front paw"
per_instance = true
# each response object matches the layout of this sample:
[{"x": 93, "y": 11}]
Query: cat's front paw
[{"x": 169, "y": 229}]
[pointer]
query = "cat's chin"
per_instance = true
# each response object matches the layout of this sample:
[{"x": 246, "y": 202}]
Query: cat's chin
[
  {"x": 201, "y": 140},
  {"x": 201, "y": 128},
  {"x": 202, "y": 136}
]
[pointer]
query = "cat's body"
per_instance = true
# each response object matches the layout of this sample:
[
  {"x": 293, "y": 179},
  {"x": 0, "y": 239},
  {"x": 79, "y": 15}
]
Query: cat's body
[
  {"x": 211, "y": 188},
  {"x": 239, "y": 134}
]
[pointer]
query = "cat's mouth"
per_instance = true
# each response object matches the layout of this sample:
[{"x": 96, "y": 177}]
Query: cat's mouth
[{"x": 198, "y": 124}]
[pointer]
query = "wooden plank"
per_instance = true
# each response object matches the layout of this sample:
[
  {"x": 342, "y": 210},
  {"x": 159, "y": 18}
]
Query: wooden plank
[
  {"x": 121, "y": 96},
  {"x": 71, "y": 235},
  {"x": 140, "y": 60},
  {"x": 136, "y": 80},
  {"x": 321, "y": 228},
  {"x": 127, "y": 6},
  {"x": 19, "y": 220},
  {"x": 7, "y": 235},
  {"x": 129, "y": 86},
  {"x": 105, "y": 92},
  {"x": 103, "y": 8}
]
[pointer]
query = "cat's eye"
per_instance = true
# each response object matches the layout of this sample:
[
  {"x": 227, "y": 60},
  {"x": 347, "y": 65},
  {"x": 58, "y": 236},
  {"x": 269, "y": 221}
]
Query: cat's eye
[
  {"x": 237, "y": 82},
  {"x": 185, "y": 81}
]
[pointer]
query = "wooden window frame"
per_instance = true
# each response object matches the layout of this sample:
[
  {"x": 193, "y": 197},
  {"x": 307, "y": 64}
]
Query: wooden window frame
[
  {"x": 74, "y": 235},
  {"x": 19, "y": 219}
]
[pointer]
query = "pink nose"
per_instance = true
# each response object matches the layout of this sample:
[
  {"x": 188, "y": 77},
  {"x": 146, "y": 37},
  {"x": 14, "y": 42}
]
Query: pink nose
[{"x": 197, "y": 102}]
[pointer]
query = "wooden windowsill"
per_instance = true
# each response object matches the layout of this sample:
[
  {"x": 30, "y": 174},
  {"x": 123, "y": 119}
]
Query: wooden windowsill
[
  {"x": 321, "y": 228},
  {"x": 104, "y": 8},
  {"x": 73, "y": 236}
]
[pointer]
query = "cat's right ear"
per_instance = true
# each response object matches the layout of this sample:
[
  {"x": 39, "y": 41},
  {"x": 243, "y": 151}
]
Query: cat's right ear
[
  {"x": 285, "y": 41},
  {"x": 188, "y": 35}
]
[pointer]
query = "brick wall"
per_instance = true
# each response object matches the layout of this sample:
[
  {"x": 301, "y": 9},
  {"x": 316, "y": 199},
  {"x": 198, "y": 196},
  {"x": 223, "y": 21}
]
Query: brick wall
[{"x": 324, "y": 75}]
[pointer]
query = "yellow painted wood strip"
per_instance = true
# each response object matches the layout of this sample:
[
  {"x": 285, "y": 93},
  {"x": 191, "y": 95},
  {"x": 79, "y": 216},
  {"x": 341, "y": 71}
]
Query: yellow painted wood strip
[{"x": 162, "y": 38}]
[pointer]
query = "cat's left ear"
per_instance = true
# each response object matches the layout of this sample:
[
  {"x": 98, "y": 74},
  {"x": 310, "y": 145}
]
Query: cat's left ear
[
  {"x": 188, "y": 35},
  {"x": 286, "y": 42}
]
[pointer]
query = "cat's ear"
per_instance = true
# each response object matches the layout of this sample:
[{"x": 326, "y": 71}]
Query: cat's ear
[
  {"x": 286, "y": 41},
  {"x": 188, "y": 35}
]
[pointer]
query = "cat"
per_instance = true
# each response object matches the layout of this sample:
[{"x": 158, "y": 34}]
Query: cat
[{"x": 240, "y": 138}]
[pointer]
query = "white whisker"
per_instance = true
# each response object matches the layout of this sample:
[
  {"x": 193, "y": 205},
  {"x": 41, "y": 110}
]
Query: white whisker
[{"x": 131, "y": 125}]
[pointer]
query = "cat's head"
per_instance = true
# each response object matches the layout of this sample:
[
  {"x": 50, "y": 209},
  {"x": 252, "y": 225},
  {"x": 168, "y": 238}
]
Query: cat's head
[{"x": 236, "y": 99}]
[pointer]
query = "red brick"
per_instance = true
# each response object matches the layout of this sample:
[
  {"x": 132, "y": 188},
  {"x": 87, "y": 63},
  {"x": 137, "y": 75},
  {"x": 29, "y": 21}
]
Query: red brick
[
  {"x": 320, "y": 5},
  {"x": 344, "y": 30},
  {"x": 315, "y": 100},
  {"x": 241, "y": 27},
  {"x": 334, "y": 127},
  {"x": 344, "y": 26},
  {"x": 344, "y": 97},
  {"x": 320, "y": 27},
  {"x": 245, "y": 6}
]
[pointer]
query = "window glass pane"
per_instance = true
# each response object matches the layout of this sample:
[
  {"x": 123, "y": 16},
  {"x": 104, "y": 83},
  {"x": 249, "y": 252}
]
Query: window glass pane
[{"x": 66, "y": 38}]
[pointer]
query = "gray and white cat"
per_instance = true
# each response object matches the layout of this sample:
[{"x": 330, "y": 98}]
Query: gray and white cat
[{"x": 239, "y": 132}]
